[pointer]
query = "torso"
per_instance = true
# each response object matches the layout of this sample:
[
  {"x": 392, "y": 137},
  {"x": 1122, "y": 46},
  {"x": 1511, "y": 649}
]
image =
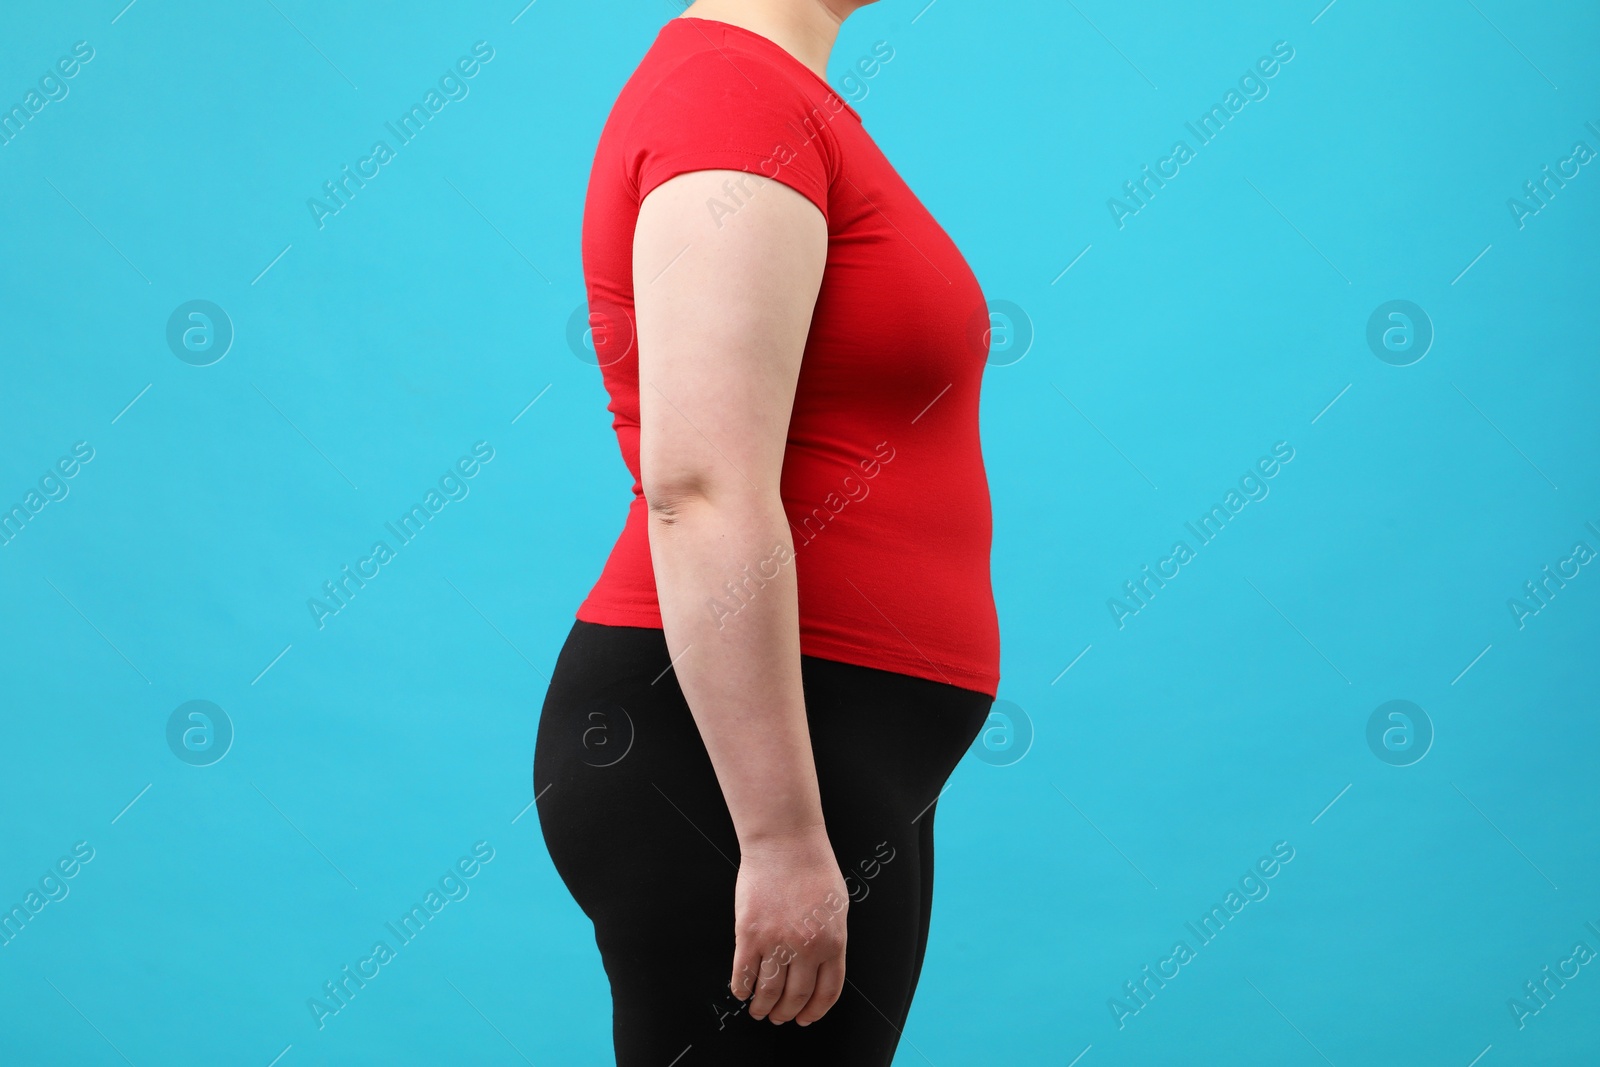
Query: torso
[{"x": 883, "y": 476}]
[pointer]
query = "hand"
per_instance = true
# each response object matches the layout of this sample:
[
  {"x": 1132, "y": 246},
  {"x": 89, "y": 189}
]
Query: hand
[{"x": 789, "y": 927}]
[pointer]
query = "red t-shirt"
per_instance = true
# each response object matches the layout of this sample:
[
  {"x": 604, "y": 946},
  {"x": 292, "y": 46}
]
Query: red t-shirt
[{"x": 883, "y": 478}]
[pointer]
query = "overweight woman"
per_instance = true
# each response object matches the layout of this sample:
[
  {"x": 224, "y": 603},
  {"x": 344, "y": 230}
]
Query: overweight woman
[{"x": 794, "y": 638}]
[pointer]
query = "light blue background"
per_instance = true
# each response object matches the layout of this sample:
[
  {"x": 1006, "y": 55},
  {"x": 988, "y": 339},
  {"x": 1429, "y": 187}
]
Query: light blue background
[{"x": 1227, "y": 315}]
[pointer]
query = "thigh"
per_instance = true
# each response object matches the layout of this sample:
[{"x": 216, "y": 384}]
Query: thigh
[{"x": 885, "y": 745}]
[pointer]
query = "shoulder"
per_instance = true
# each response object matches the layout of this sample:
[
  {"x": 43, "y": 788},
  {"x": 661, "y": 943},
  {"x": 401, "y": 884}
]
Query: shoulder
[
  {"x": 718, "y": 81},
  {"x": 709, "y": 103}
]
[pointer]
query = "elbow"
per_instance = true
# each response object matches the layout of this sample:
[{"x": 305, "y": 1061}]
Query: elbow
[
  {"x": 675, "y": 501},
  {"x": 670, "y": 503}
]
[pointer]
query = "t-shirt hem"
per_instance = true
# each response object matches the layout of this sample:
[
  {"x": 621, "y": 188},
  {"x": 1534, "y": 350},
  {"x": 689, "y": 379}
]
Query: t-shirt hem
[
  {"x": 617, "y": 615},
  {"x": 985, "y": 682},
  {"x": 819, "y": 647}
]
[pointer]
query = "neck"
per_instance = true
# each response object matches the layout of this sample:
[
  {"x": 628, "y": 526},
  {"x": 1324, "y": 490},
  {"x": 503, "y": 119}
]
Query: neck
[{"x": 806, "y": 29}]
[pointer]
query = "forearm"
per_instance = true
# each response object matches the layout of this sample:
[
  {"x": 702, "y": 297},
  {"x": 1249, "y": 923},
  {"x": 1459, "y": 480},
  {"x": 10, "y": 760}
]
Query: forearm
[{"x": 737, "y": 654}]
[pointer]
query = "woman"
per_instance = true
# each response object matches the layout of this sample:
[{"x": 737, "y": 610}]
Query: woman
[{"x": 794, "y": 639}]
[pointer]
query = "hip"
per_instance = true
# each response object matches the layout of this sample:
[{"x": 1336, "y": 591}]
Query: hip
[{"x": 614, "y": 705}]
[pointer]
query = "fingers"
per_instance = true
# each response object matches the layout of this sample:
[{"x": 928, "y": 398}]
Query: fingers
[
  {"x": 746, "y": 965},
  {"x": 829, "y": 984},
  {"x": 797, "y": 987},
  {"x": 770, "y": 980},
  {"x": 791, "y": 986}
]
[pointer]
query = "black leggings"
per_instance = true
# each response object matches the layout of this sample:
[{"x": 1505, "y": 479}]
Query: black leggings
[{"x": 637, "y": 827}]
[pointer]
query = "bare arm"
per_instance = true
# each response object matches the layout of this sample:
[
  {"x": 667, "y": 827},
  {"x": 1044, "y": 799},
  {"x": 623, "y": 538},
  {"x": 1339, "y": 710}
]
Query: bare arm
[{"x": 723, "y": 312}]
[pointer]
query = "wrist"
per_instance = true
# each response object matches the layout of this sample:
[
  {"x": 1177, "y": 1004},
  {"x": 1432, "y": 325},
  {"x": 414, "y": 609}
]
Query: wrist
[{"x": 803, "y": 836}]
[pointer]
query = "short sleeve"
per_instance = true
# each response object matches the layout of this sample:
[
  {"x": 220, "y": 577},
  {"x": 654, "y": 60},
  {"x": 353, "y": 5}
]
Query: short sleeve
[{"x": 730, "y": 110}]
